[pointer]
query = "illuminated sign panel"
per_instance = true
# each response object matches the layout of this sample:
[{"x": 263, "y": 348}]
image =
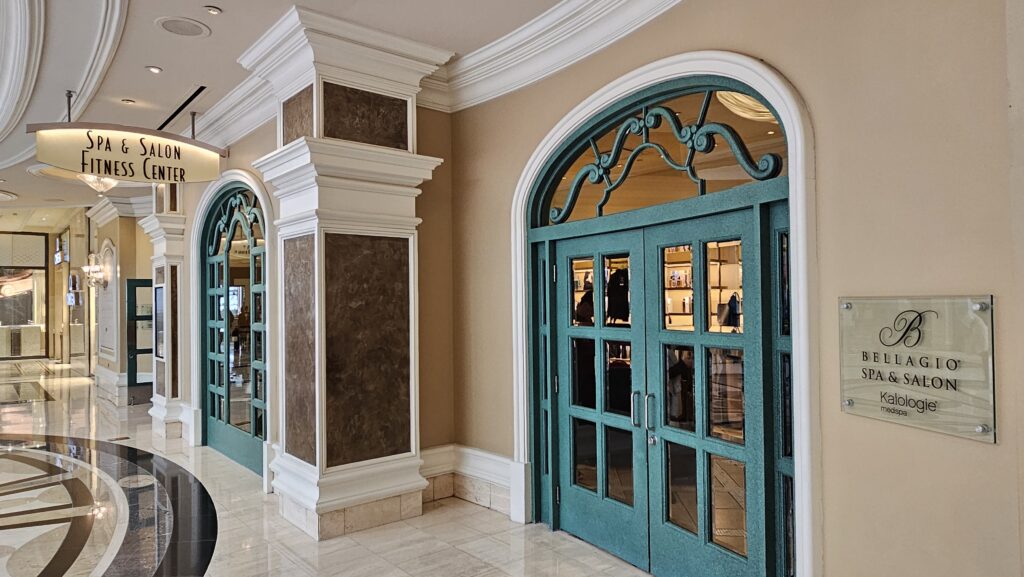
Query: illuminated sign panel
[{"x": 126, "y": 153}]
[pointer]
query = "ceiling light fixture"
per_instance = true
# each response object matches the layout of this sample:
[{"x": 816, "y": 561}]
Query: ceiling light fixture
[
  {"x": 127, "y": 101},
  {"x": 746, "y": 106},
  {"x": 771, "y": 132},
  {"x": 155, "y": 69},
  {"x": 100, "y": 184},
  {"x": 215, "y": 10}
]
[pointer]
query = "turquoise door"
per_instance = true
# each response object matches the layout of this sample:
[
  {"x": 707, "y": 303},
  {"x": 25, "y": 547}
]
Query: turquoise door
[
  {"x": 234, "y": 339},
  {"x": 660, "y": 396},
  {"x": 705, "y": 367},
  {"x": 603, "y": 481}
]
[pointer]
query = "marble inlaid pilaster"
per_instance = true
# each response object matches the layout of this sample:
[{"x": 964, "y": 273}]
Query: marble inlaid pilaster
[
  {"x": 299, "y": 349},
  {"x": 368, "y": 117},
  {"x": 367, "y": 347}
]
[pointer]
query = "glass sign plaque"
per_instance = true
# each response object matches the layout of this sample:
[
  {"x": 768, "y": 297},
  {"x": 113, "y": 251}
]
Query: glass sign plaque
[{"x": 926, "y": 362}]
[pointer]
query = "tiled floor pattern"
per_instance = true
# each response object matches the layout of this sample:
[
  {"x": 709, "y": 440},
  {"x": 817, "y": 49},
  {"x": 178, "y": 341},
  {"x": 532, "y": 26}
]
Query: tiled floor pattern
[{"x": 453, "y": 538}]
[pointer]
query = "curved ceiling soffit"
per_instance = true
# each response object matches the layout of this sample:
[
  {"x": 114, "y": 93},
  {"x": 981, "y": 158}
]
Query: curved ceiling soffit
[
  {"x": 22, "y": 23},
  {"x": 108, "y": 36}
]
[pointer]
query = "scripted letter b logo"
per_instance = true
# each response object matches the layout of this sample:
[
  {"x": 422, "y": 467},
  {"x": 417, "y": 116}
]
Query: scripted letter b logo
[{"x": 905, "y": 329}]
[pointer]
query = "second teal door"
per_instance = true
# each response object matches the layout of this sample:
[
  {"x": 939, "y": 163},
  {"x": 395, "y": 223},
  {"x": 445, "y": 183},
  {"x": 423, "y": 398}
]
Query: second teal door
[{"x": 661, "y": 396}]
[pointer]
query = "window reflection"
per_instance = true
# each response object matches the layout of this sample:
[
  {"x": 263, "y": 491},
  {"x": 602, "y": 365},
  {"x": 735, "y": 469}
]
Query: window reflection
[
  {"x": 239, "y": 321},
  {"x": 583, "y": 292},
  {"x": 616, "y": 291},
  {"x": 618, "y": 377},
  {"x": 584, "y": 380},
  {"x": 619, "y": 472},
  {"x": 584, "y": 454},
  {"x": 682, "y": 486},
  {"x": 725, "y": 394},
  {"x": 680, "y": 404}
]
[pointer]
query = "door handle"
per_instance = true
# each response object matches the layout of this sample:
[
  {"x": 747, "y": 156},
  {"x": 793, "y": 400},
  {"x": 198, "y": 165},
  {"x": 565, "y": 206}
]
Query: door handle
[
  {"x": 647, "y": 411},
  {"x": 632, "y": 409}
]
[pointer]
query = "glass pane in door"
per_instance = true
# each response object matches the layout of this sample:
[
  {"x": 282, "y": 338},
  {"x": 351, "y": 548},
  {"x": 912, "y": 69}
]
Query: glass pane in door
[
  {"x": 619, "y": 467},
  {"x": 725, "y": 394},
  {"x": 680, "y": 401},
  {"x": 677, "y": 287},
  {"x": 584, "y": 440},
  {"x": 618, "y": 377},
  {"x": 584, "y": 379},
  {"x": 729, "y": 504},
  {"x": 239, "y": 333},
  {"x": 682, "y": 486},
  {"x": 583, "y": 292},
  {"x": 616, "y": 291},
  {"x": 725, "y": 286}
]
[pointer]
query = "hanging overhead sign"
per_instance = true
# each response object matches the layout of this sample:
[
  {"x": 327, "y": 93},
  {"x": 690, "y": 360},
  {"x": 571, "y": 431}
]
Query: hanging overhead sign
[
  {"x": 126, "y": 152},
  {"x": 921, "y": 361}
]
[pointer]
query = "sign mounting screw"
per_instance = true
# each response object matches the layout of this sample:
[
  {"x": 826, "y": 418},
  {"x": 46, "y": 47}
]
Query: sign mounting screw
[
  {"x": 983, "y": 429},
  {"x": 847, "y": 402},
  {"x": 979, "y": 307},
  {"x": 846, "y": 306}
]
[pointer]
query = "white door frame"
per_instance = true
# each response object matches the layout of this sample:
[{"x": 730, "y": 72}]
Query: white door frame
[
  {"x": 194, "y": 262},
  {"x": 792, "y": 114}
]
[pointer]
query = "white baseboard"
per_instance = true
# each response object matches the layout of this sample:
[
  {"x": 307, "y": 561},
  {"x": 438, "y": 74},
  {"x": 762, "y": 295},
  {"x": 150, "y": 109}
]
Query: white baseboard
[{"x": 494, "y": 469}]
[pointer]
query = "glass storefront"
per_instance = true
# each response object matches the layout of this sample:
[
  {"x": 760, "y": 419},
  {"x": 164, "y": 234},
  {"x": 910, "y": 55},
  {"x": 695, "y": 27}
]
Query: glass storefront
[{"x": 23, "y": 302}]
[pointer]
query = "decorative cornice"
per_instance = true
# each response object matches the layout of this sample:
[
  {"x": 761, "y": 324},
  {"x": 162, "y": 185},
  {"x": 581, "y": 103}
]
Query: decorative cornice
[
  {"x": 110, "y": 208},
  {"x": 560, "y": 37},
  {"x": 21, "y": 48},
  {"x": 163, "y": 226},
  {"x": 304, "y": 42},
  {"x": 112, "y": 23},
  {"x": 308, "y": 160}
]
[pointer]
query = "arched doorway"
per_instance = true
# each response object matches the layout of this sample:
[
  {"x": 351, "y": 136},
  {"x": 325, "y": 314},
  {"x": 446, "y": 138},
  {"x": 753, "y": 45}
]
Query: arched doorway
[
  {"x": 234, "y": 326},
  {"x": 660, "y": 338}
]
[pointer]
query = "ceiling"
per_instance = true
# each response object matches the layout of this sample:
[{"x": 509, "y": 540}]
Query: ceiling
[{"x": 77, "y": 32}]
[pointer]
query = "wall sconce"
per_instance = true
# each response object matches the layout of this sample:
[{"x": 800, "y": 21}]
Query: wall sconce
[{"x": 94, "y": 272}]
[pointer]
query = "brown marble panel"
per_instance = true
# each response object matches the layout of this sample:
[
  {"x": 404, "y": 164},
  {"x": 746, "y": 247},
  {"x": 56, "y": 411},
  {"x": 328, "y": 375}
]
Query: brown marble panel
[
  {"x": 158, "y": 378},
  {"x": 367, "y": 342},
  {"x": 361, "y": 116},
  {"x": 297, "y": 115},
  {"x": 300, "y": 349}
]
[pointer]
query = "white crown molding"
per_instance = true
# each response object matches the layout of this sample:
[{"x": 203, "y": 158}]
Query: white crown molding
[
  {"x": 248, "y": 106},
  {"x": 110, "y": 208},
  {"x": 558, "y": 38},
  {"x": 108, "y": 36},
  {"x": 21, "y": 48}
]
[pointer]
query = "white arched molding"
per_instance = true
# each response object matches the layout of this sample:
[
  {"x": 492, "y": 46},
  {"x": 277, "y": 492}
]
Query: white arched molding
[
  {"x": 793, "y": 115},
  {"x": 193, "y": 264}
]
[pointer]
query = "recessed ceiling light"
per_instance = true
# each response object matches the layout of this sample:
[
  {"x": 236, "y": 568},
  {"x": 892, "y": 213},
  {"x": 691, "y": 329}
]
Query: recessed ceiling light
[
  {"x": 2, "y": 180},
  {"x": 155, "y": 69},
  {"x": 771, "y": 132},
  {"x": 213, "y": 10},
  {"x": 127, "y": 101}
]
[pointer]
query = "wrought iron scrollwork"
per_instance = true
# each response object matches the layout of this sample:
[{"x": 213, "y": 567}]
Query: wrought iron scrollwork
[
  {"x": 701, "y": 136},
  {"x": 238, "y": 208}
]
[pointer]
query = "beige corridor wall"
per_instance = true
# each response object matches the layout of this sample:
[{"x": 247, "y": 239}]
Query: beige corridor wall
[{"x": 908, "y": 103}]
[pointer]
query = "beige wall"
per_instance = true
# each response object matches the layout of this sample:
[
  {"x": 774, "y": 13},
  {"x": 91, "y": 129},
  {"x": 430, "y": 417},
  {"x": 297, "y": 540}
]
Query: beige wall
[
  {"x": 908, "y": 103},
  {"x": 434, "y": 206},
  {"x": 134, "y": 252}
]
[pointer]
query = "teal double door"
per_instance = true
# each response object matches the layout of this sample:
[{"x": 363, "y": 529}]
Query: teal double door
[{"x": 661, "y": 423}]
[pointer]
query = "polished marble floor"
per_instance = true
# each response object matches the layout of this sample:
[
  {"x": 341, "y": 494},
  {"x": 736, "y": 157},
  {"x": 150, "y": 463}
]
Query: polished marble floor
[{"x": 453, "y": 538}]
